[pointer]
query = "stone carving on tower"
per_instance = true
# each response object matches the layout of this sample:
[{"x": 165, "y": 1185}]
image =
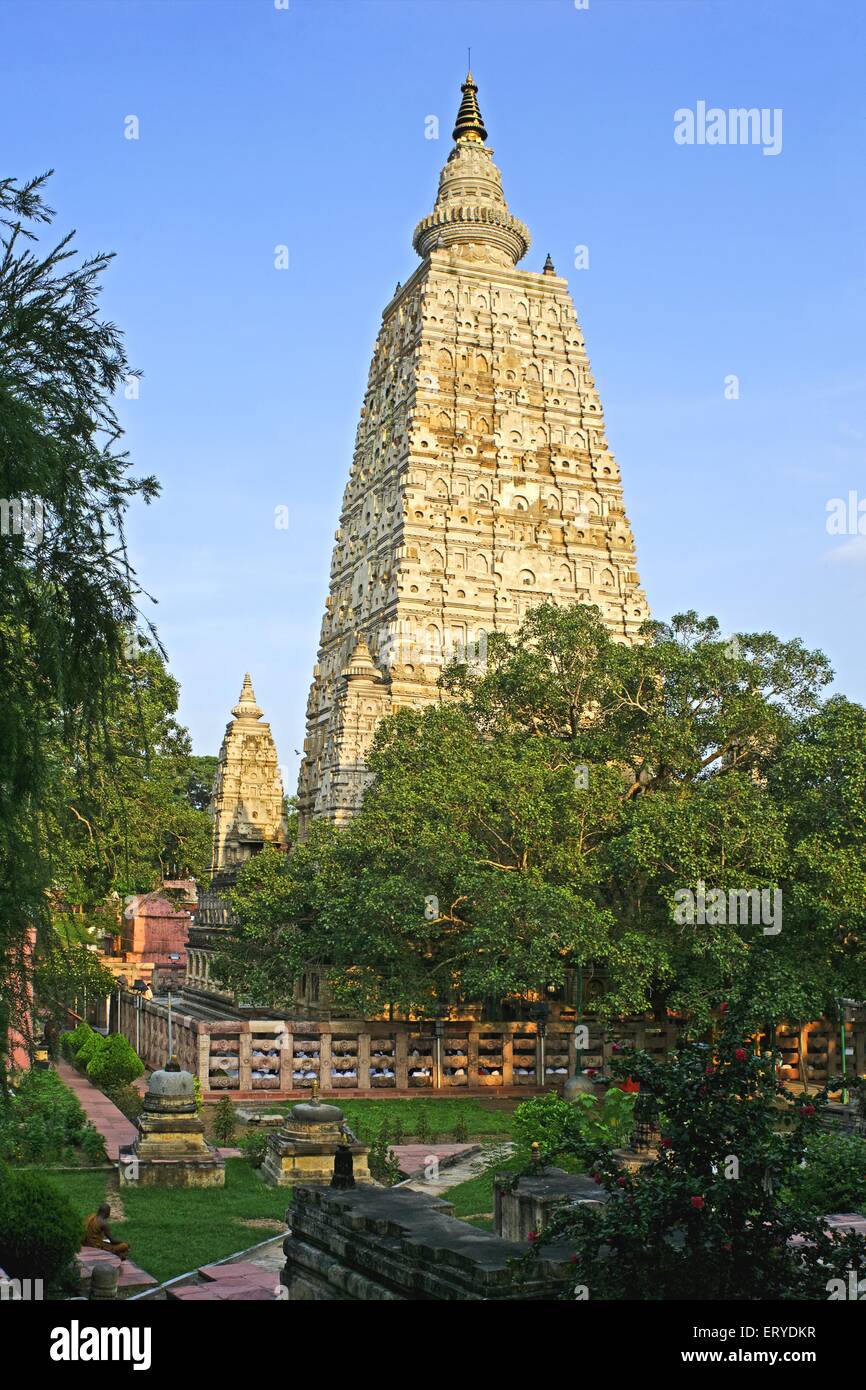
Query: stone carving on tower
[
  {"x": 247, "y": 801},
  {"x": 482, "y": 482}
]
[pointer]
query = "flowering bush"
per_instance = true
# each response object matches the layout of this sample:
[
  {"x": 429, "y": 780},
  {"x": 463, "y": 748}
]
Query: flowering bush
[{"x": 709, "y": 1218}]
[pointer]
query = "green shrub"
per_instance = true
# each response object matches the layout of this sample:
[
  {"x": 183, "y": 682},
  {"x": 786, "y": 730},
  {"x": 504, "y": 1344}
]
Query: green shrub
[
  {"x": 422, "y": 1125},
  {"x": 70, "y": 1042},
  {"x": 93, "y": 1145},
  {"x": 383, "y": 1164},
  {"x": 128, "y": 1100},
  {"x": 224, "y": 1122},
  {"x": 93, "y": 1043},
  {"x": 834, "y": 1178},
  {"x": 254, "y": 1146},
  {"x": 44, "y": 1123},
  {"x": 461, "y": 1130},
  {"x": 40, "y": 1231},
  {"x": 116, "y": 1063}
]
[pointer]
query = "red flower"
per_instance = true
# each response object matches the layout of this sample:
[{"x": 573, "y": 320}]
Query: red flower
[
  {"x": 592, "y": 1071},
  {"x": 711, "y": 1071},
  {"x": 621, "y": 1182},
  {"x": 808, "y": 1109},
  {"x": 574, "y": 1259},
  {"x": 616, "y": 1048},
  {"x": 666, "y": 1143},
  {"x": 741, "y": 1054},
  {"x": 596, "y": 1177},
  {"x": 723, "y": 1008},
  {"x": 697, "y": 1202},
  {"x": 727, "y": 1245},
  {"x": 533, "y": 1235}
]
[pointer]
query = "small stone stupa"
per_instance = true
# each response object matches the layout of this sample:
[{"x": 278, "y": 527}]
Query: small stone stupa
[
  {"x": 171, "y": 1150},
  {"x": 303, "y": 1151}
]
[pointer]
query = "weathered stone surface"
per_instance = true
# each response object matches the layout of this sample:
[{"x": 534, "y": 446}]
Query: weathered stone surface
[
  {"x": 387, "y": 1244},
  {"x": 171, "y": 1150},
  {"x": 527, "y": 1205},
  {"x": 482, "y": 482},
  {"x": 303, "y": 1150}
]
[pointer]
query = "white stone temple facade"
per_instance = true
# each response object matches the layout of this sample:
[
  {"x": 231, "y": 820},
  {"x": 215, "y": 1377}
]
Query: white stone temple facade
[{"x": 481, "y": 485}]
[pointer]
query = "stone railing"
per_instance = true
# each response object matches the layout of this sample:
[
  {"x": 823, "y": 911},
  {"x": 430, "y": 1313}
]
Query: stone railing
[{"x": 283, "y": 1057}]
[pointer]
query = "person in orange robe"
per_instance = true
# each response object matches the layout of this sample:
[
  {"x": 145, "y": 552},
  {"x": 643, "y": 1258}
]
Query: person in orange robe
[{"x": 98, "y": 1235}]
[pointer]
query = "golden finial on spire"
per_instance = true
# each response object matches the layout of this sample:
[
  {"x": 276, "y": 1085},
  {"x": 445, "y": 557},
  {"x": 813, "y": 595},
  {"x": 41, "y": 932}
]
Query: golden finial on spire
[{"x": 469, "y": 124}]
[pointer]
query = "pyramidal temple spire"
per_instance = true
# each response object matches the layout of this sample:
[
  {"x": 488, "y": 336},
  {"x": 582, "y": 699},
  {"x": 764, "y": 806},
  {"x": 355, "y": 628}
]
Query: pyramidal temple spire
[
  {"x": 470, "y": 219},
  {"x": 469, "y": 124},
  {"x": 246, "y": 707}
]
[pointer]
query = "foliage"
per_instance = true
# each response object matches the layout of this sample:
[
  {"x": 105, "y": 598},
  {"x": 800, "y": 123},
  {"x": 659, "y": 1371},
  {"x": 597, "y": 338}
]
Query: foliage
[
  {"x": 67, "y": 968},
  {"x": 44, "y": 1123},
  {"x": 93, "y": 1044},
  {"x": 40, "y": 1232},
  {"x": 580, "y": 1126},
  {"x": 128, "y": 1100},
  {"x": 124, "y": 819},
  {"x": 834, "y": 1177},
  {"x": 223, "y": 1128},
  {"x": 116, "y": 1063},
  {"x": 70, "y": 1042},
  {"x": 254, "y": 1146},
  {"x": 67, "y": 591},
  {"x": 383, "y": 1162},
  {"x": 706, "y": 760},
  {"x": 711, "y": 1209}
]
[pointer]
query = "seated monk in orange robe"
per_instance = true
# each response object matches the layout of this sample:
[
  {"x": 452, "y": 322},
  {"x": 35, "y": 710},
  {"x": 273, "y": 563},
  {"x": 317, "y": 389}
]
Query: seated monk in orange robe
[{"x": 98, "y": 1236}]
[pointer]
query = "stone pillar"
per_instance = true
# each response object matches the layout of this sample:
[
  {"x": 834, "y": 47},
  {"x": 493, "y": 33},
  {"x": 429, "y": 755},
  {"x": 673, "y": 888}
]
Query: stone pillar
[
  {"x": 245, "y": 1059},
  {"x": 287, "y": 1047},
  {"x": 526, "y": 1207},
  {"x": 364, "y": 1060},
  {"x": 401, "y": 1063}
]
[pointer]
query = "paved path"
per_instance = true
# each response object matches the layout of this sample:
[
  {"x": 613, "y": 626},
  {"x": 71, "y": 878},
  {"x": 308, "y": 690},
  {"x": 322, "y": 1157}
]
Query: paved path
[
  {"x": 415, "y": 1158},
  {"x": 117, "y": 1131},
  {"x": 469, "y": 1167}
]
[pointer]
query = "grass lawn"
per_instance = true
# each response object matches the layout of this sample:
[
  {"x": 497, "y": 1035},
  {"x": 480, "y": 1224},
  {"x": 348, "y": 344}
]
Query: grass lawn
[
  {"x": 86, "y": 1191},
  {"x": 483, "y": 1118},
  {"x": 172, "y": 1230},
  {"x": 475, "y": 1196}
]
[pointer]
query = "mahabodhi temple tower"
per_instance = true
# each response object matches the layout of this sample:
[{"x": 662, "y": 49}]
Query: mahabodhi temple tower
[{"x": 481, "y": 484}]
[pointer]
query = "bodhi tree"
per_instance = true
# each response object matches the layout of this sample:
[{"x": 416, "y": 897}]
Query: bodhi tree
[{"x": 548, "y": 815}]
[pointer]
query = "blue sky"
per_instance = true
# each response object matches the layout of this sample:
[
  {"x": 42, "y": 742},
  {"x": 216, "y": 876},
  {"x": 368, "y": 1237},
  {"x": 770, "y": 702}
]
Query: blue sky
[{"x": 306, "y": 127}]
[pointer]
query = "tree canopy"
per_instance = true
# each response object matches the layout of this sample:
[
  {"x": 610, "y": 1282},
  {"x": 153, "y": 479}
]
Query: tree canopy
[{"x": 547, "y": 813}]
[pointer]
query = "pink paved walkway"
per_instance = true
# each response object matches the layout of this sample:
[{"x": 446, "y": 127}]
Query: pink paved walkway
[
  {"x": 413, "y": 1158},
  {"x": 117, "y": 1131}
]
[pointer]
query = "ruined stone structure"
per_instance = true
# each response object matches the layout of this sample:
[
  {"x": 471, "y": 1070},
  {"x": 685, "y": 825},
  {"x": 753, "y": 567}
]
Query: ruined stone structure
[
  {"x": 481, "y": 484},
  {"x": 385, "y": 1245},
  {"x": 305, "y": 1148}
]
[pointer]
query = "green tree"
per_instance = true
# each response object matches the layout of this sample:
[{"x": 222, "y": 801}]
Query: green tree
[
  {"x": 547, "y": 816},
  {"x": 67, "y": 592},
  {"x": 122, "y": 818}
]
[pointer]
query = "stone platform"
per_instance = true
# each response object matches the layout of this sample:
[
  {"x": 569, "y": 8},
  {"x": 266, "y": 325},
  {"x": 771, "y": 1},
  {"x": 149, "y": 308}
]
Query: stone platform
[
  {"x": 394, "y": 1244},
  {"x": 129, "y": 1277}
]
